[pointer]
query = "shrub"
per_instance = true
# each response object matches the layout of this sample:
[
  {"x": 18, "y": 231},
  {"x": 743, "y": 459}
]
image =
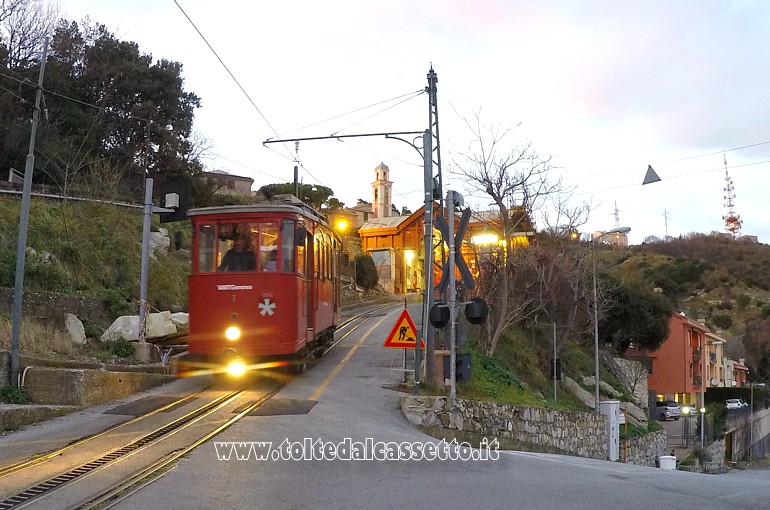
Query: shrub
[
  {"x": 13, "y": 395},
  {"x": 115, "y": 303},
  {"x": 722, "y": 321},
  {"x": 366, "y": 272},
  {"x": 121, "y": 348},
  {"x": 702, "y": 454}
]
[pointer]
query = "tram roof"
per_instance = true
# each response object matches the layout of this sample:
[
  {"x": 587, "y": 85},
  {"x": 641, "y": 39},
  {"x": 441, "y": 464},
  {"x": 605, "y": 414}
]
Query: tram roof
[{"x": 279, "y": 204}]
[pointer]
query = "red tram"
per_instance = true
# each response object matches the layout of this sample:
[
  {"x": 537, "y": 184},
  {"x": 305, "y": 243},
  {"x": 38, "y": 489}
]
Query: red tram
[{"x": 264, "y": 285}]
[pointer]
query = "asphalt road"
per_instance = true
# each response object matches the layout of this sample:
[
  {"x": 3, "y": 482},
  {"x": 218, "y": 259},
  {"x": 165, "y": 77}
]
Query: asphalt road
[
  {"x": 352, "y": 403},
  {"x": 355, "y": 405}
]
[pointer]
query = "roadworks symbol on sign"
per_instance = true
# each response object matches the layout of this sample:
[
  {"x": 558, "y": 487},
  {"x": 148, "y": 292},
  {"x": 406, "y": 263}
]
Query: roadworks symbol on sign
[{"x": 404, "y": 334}]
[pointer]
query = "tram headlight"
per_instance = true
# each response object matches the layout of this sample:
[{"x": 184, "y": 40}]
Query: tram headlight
[
  {"x": 236, "y": 368},
  {"x": 232, "y": 333}
]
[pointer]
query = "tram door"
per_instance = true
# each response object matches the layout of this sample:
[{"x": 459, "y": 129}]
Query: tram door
[{"x": 312, "y": 288}]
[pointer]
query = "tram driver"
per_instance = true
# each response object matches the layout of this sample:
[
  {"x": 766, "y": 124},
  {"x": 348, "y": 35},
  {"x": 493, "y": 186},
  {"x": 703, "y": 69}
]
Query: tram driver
[{"x": 240, "y": 257}]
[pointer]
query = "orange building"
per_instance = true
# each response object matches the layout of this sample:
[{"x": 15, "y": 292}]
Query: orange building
[{"x": 677, "y": 367}]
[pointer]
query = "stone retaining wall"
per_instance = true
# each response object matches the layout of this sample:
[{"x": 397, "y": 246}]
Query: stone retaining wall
[
  {"x": 581, "y": 434},
  {"x": 645, "y": 450},
  {"x": 52, "y": 307}
]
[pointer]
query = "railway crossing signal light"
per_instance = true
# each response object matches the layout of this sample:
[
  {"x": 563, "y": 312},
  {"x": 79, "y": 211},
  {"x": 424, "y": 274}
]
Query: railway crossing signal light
[
  {"x": 465, "y": 273},
  {"x": 439, "y": 315},
  {"x": 476, "y": 311}
]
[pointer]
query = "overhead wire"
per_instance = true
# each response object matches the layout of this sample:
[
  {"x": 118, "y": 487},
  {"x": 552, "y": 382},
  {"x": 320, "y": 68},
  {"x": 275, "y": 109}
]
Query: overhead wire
[
  {"x": 230, "y": 73},
  {"x": 417, "y": 92},
  {"x": 377, "y": 113},
  {"x": 684, "y": 159},
  {"x": 24, "y": 81}
]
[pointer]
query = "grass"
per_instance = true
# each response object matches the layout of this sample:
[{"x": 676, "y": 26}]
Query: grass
[
  {"x": 37, "y": 338},
  {"x": 512, "y": 375},
  {"x": 81, "y": 237},
  {"x": 42, "y": 339}
]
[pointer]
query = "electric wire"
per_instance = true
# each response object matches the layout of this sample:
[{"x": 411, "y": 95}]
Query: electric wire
[
  {"x": 684, "y": 159},
  {"x": 230, "y": 73},
  {"x": 417, "y": 92},
  {"x": 15, "y": 95},
  {"x": 376, "y": 113},
  {"x": 391, "y": 158},
  {"x": 24, "y": 81}
]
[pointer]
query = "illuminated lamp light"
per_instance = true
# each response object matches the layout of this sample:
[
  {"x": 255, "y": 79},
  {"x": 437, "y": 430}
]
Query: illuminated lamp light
[
  {"x": 409, "y": 256},
  {"x": 483, "y": 239},
  {"x": 236, "y": 368},
  {"x": 232, "y": 333}
]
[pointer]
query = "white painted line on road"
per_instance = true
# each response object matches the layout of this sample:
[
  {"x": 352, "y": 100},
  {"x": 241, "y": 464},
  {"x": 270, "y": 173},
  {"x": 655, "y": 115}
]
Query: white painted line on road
[{"x": 543, "y": 456}]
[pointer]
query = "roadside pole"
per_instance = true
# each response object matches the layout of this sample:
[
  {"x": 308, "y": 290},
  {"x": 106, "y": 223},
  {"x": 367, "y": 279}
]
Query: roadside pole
[{"x": 21, "y": 247}]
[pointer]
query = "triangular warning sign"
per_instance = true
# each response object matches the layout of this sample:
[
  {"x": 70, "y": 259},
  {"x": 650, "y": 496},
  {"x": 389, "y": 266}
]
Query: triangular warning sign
[
  {"x": 651, "y": 176},
  {"x": 404, "y": 334}
]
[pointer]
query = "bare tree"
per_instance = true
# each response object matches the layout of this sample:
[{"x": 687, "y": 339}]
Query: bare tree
[
  {"x": 517, "y": 180},
  {"x": 23, "y": 26},
  {"x": 7, "y": 7},
  {"x": 636, "y": 370}
]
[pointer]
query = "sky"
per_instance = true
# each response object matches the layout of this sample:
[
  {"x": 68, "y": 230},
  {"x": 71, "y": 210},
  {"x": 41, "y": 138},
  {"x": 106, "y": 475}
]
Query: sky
[{"x": 605, "y": 88}]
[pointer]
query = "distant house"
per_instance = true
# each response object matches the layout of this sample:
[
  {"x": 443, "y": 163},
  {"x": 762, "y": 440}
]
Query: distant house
[
  {"x": 229, "y": 184},
  {"x": 677, "y": 367}
]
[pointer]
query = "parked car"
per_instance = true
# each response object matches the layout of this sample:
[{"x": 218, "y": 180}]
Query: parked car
[
  {"x": 735, "y": 403},
  {"x": 668, "y": 409}
]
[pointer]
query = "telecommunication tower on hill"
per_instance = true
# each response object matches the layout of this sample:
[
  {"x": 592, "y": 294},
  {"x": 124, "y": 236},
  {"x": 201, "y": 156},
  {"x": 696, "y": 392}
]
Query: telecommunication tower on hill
[{"x": 732, "y": 219}]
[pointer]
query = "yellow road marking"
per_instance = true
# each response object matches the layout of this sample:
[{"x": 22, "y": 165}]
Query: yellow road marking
[{"x": 319, "y": 391}]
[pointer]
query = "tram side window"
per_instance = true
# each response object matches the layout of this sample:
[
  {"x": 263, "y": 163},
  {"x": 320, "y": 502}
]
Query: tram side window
[
  {"x": 268, "y": 246},
  {"x": 301, "y": 258},
  {"x": 236, "y": 247},
  {"x": 206, "y": 248},
  {"x": 316, "y": 256},
  {"x": 329, "y": 252},
  {"x": 287, "y": 246}
]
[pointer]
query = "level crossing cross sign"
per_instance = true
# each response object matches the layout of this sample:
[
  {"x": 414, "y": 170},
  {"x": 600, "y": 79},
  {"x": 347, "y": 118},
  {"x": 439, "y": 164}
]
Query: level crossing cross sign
[{"x": 404, "y": 334}]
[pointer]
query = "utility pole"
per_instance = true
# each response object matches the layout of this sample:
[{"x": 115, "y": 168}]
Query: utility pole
[
  {"x": 450, "y": 204},
  {"x": 428, "y": 262},
  {"x": 430, "y": 339},
  {"x": 21, "y": 247}
]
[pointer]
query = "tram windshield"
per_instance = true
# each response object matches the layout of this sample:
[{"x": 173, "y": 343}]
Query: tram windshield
[{"x": 227, "y": 246}]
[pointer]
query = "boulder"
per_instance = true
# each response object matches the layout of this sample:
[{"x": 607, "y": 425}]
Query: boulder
[
  {"x": 75, "y": 329},
  {"x": 159, "y": 242},
  {"x": 127, "y": 327},
  {"x": 180, "y": 318}
]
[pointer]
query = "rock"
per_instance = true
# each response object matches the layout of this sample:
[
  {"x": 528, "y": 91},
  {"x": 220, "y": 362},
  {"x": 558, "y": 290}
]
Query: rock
[
  {"x": 180, "y": 318},
  {"x": 574, "y": 388},
  {"x": 75, "y": 329},
  {"x": 127, "y": 327},
  {"x": 159, "y": 242}
]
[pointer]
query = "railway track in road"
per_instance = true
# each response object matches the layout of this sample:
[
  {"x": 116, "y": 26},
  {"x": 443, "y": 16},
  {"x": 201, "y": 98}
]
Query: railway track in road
[
  {"x": 28, "y": 463},
  {"x": 111, "y": 493}
]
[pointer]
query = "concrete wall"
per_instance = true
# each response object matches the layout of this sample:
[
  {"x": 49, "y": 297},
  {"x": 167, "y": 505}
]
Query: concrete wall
[
  {"x": 581, "y": 434},
  {"x": 739, "y": 435},
  {"x": 5, "y": 368},
  {"x": 85, "y": 387},
  {"x": 761, "y": 433}
]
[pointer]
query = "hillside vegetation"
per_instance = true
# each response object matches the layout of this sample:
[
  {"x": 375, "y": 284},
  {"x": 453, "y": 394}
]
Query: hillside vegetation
[
  {"x": 723, "y": 281},
  {"x": 91, "y": 249}
]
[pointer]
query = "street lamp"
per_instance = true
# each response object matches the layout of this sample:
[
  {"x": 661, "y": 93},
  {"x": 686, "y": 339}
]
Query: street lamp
[
  {"x": 620, "y": 230},
  {"x": 751, "y": 419}
]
